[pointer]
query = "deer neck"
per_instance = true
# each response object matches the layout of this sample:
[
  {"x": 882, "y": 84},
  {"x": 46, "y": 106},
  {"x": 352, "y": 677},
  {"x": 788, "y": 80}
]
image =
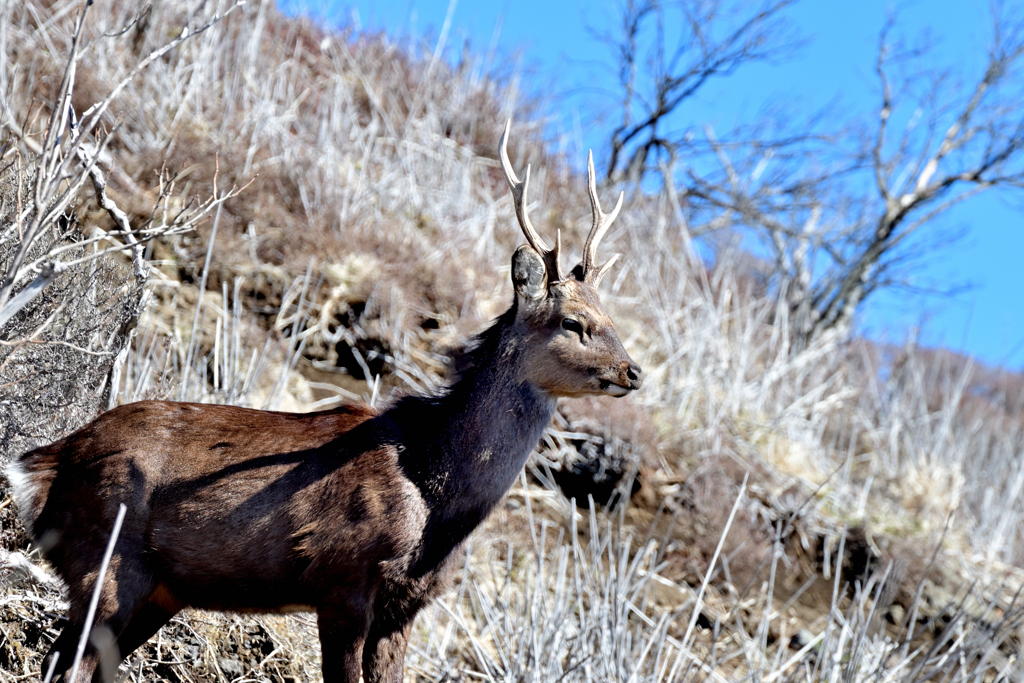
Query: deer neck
[{"x": 466, "y": 448}]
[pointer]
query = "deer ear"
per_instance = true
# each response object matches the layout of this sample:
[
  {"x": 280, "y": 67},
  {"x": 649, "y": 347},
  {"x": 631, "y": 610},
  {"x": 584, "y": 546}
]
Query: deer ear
[{"x": 529, "y": 275}]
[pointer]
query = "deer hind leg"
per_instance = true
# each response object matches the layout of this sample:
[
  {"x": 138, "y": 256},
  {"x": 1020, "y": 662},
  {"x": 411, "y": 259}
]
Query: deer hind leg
[
  {"x": 64, "y": 650},
  {"x": 125, "y": 591},
  {"x": 158, "y": 609},
  {"x": 99, "y": 661}
]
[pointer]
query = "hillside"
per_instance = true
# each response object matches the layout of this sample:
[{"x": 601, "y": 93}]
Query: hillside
[{"x": 849, "y": 511}]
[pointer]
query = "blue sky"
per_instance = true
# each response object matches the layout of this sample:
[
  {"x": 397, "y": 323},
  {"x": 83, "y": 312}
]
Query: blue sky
[{"x": 835, "y": 67}]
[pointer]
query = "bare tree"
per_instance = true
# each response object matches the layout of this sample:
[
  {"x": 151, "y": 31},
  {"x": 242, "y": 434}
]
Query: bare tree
[
  {"x": 972, "y": 140},
  {"x": 659, "y": 68},
  {"x": 842, "y": 229},
  {"x": 839, "y": 205}
]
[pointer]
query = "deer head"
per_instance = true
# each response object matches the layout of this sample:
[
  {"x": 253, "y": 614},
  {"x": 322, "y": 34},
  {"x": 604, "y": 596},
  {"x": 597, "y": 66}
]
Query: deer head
[{"x": 574, "y": 348}]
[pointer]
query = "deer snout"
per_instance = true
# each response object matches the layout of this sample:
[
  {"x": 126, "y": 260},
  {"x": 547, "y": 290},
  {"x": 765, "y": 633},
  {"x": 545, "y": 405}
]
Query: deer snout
[{"x": 632, "y": 375}]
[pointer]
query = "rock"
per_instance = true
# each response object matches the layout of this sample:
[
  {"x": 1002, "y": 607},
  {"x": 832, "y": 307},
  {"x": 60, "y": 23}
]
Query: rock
[
  {"x": 231, "y": 666},
  {"x": 18, "y": 570},
  {"x": 800, "y": 639}
]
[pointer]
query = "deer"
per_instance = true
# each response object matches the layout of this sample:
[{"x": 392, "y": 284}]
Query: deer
[{"x": 355, "y": 513}]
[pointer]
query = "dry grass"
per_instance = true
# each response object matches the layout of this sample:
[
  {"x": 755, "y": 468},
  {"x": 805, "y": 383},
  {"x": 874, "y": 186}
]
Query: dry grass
[{"x": 872, "y": 496}]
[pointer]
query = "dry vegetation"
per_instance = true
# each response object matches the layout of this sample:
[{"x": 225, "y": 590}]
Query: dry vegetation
[{"x": 849, "y": 512}]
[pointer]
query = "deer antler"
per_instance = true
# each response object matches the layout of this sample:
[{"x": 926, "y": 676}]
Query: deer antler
[
  {"x": 591, "y": 273},
  {"x": 519, "y": 189}
]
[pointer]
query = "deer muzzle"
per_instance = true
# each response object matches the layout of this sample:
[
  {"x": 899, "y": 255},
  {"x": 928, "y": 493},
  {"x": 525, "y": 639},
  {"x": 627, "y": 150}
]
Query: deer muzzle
[{"x": 627, "y": 377}]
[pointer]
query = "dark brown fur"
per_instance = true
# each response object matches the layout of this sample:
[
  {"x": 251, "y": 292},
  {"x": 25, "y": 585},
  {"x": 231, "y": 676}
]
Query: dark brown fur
[{"x": 237, "y": 510}]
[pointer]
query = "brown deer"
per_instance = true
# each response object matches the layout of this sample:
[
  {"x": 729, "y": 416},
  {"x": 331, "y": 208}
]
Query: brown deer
[{"x": 353, "y": 513}]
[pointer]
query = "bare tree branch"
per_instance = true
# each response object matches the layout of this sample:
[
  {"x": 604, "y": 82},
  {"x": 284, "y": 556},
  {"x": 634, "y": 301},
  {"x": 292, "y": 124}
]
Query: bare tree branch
[
  {"x": 982, "y": 146},
  {"x": 842, "y": 209},
  {"x": 717, "y": 39},
  {"x": 56, "y": 184}
]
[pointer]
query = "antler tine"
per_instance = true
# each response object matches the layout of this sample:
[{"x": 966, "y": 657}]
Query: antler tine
[
  {"x": 602, "y": 221},
  {"x": 519, "y": 190},
  {"x": 596, "y": 279}
]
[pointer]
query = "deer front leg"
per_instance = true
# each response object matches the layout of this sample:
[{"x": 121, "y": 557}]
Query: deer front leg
[
  {"x": 384, "y": 653},
  {"x": 343, "y": 630}
]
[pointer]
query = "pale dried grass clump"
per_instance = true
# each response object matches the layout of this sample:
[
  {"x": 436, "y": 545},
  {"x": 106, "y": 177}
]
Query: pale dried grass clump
[{"x": 791, "y": 516}]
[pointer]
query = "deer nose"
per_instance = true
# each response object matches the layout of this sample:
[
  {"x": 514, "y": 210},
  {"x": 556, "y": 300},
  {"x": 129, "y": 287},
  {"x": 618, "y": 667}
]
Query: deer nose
[{"x": 633, "y": 374}]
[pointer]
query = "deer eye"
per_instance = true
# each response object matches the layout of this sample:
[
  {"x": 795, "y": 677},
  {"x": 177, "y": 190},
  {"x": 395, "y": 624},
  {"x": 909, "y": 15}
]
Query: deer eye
[{"x": 573, "y": 326}]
